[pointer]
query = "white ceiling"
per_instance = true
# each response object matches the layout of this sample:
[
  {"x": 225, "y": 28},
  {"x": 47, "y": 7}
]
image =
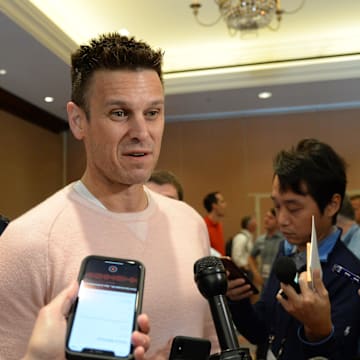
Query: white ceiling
[{"x": 311, "y": 62}]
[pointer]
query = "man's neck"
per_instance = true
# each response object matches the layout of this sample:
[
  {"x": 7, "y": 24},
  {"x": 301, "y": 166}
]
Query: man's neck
[
  {"x": 214, "y": 217},
  {"x": 117, "y": 197}
]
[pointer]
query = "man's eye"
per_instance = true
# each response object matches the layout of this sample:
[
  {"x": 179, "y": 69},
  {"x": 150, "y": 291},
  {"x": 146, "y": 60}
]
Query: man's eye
[
  {"x": 118, "y": 113},
  {"x": 152, "y": 113}
]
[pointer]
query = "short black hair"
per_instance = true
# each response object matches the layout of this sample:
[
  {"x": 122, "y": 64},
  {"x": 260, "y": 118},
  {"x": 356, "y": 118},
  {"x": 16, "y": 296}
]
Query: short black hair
[
  {"x": 110, "y": 51},
  {"x": 209, "y": 200},
  {"x": 317, "y": 166}
]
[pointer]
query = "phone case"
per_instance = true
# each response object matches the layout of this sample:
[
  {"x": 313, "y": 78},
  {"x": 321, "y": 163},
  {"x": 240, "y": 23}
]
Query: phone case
[
  {"x": 189, "y": 348},
  {"x": 72, "y": 355},
  {"x": 235, "y": 272}
]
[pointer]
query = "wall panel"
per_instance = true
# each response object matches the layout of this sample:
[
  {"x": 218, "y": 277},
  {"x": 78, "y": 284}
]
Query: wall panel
[{"x": 31, "y": 164}]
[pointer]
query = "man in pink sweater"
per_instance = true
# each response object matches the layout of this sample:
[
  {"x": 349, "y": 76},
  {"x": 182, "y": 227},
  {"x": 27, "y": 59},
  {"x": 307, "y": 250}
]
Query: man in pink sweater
[{"x": 117, "y": 110}]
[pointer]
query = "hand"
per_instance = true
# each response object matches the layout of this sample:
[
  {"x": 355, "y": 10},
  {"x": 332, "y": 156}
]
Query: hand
[
  {"x": 140, "y": 339},
  {"x": 238, "y": 290},
  {"x": 163, "y": 353},
  {"x": 310, "y": 307},
  {"x": 48, "y": 337}
]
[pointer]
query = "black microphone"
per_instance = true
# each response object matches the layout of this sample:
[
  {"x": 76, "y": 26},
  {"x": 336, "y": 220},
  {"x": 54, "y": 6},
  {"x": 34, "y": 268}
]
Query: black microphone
[
  {"x": 211, "y": 279},
  {"x": 285, "y": 270}
]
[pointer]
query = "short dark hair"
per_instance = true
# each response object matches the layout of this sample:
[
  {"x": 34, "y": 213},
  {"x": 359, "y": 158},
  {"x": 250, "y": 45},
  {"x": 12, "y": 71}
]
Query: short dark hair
[
  {"x": 245, "y": 221},
  {"x": 317, "y": 166},
  {"x": 109, "y": 52},
  {"x": 347, "y": 211},
  {"x": 209, "y": 200},
  {"x": 272, "y": 211},
  {"x": 355, "y": 197},
  {"x": 162, "y": 177}
]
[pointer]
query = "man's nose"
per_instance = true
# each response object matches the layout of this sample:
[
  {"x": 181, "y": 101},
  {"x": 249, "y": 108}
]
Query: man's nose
[{"x": 138, "y": 127}]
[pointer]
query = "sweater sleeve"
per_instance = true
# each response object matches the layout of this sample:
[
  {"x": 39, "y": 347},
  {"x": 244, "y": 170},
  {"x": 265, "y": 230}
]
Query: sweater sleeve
[{"x": 23, "y": 286}]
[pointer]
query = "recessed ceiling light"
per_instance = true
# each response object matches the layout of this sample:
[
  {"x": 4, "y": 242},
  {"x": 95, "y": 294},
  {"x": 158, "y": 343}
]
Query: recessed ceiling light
[
  {"x": 265, "y": 95},
  {"x": 48, "y": 99},
  {"x": 3, "y": 72},
  {"x": 124, "y": 32}
]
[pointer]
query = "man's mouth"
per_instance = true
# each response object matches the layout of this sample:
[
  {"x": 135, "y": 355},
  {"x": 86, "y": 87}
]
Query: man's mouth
[{"x": 136, "y": 154}]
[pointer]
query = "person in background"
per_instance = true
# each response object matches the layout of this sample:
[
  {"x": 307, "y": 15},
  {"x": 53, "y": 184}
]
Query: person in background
[
  {"x": 166, "y": 183},
  {"x": 215, "y": 205},
  {"x": 3, "y": 223},
  {"x": 266, "y": 247},
  {"x": 117, "y": 110},
  {"x": 355, "y": 202},
  {"x": 47, "y": 340},
  {"x": 243, "y": 242},
  {"x": 350, "y": 229},
  {"x": 324, "y": 318}
]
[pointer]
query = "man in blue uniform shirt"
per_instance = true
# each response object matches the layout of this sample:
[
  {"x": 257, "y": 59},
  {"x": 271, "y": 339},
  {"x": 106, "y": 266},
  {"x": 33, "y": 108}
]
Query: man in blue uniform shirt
[{"x": 309, "y": 180}]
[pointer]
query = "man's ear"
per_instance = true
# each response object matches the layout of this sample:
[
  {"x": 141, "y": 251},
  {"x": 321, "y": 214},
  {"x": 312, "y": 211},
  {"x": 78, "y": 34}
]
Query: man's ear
[
  {"x": 77, "y": 119},
  {"x": 333, "y": 206}
]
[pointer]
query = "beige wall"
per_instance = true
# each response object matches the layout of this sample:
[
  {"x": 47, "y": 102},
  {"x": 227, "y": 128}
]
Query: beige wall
[{"x": 31, "y": 164}]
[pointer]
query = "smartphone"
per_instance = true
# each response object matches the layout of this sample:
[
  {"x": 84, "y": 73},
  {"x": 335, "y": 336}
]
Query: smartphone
[
  {"x": 105, "y": 312},
  {"x": 189, "y": 348},
  {"x": 235, "y": 272},
  {"x": 340, "y": 270}
]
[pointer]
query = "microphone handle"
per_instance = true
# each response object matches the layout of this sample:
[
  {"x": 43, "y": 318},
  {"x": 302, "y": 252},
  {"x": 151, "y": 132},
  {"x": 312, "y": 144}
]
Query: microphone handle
[{"x": 223, "y": 323}]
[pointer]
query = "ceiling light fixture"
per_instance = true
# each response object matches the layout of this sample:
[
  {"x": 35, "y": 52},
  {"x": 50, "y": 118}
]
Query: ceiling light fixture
[
  {"x": 3, "y": 72},
  {"x": 49, "y": 99},
  {"x": 264, "y": 95},
  {"x": 246, "y": 15}
]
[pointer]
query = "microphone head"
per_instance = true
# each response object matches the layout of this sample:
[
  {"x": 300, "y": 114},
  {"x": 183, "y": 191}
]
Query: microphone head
[
  {"x": 210, "y": 276},
  {"x": 285, "y": 270},
  {"x": 206, "y": 263}
]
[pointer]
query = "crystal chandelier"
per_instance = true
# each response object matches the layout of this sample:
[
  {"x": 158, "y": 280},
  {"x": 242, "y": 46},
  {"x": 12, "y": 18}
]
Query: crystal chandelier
[{"x": 245, "y": 14}]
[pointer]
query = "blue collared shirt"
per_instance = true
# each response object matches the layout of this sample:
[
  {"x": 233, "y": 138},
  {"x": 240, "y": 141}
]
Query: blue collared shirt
[{"x": 325, "y": 246}]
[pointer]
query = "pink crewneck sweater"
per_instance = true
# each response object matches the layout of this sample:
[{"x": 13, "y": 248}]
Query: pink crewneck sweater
[{"x": 41, "y": 252}]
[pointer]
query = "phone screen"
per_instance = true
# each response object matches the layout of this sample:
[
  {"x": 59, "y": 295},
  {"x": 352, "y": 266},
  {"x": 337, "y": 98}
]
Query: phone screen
[{"x": 108, "y": 302}]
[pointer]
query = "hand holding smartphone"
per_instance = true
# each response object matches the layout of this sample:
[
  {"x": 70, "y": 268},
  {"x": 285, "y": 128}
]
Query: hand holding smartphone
[
  {"x": 235, "y": 272},
  {"x": 105, "y": 313}
]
